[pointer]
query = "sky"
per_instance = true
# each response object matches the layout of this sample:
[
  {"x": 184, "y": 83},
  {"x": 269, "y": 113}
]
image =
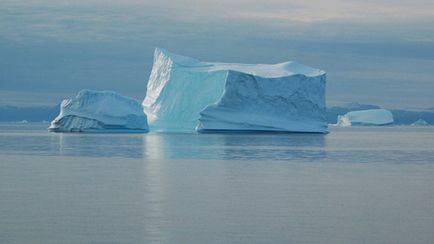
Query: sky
[{"x": 376, "y": 52}]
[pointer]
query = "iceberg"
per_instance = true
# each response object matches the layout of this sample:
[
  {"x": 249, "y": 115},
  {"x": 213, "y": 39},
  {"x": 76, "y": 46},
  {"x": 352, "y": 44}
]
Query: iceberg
[
  {"x": 420, "y": 122},
  {"x": 366, "y": 117},
  {"x": 100, "y": 111},
  {"x": 185, "y": 94}
]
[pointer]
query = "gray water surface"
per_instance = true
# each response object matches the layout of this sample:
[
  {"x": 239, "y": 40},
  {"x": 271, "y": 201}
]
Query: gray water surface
[{"x": 354, "y": 185}]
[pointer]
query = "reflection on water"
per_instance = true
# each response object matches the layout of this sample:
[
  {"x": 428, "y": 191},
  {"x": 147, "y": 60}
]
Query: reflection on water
[
  {"x": 57, "y": 144},
  {"x": 234, "y": 146},
  {"x": 154, "y": 183},
  {"x": 365, "y": 185},
  {"x": 168, "y": 146},
  {"x": 100, "y": 145},
  {"x": 392, "y": 144}
]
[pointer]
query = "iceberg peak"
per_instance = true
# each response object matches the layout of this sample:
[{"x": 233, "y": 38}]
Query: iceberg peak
[{"x": 420, "y": 122}]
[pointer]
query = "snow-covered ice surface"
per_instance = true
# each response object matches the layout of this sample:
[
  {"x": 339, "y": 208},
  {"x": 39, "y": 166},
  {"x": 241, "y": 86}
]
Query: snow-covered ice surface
[
  {"x": 366, "y": 117},
  {"x": 100, "y": 111},
  {"x": 420, "y": 122},
  {"x": 184, "y": 94}
]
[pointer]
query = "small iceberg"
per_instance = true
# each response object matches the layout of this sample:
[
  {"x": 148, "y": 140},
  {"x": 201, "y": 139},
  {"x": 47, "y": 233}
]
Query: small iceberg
[
  {"x": 420, "y": 122},
  {"x": 100, "y": 111},
  {"x": 366, "y": 117}
]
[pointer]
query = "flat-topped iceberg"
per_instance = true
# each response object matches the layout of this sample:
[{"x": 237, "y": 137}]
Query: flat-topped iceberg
[
  {"x": 184, "y": 94},
  {"x": 366, "y": 117},
  {"x": 100, "y": 111}
]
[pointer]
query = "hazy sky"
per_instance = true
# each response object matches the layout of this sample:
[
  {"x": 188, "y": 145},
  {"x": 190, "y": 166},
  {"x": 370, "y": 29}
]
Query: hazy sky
[{"x": 379, "y": 52}]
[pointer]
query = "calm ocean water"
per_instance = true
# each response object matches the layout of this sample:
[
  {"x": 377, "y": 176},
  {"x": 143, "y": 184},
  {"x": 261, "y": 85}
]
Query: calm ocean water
[{"x": 354, "y": 185}]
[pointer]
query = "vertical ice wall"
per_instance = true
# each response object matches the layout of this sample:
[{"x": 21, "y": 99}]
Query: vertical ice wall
[{"x": 176, "y": 94}]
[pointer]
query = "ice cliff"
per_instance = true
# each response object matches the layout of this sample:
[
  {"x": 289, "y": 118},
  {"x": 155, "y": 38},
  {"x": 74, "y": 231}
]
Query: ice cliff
[
  {"x": 366, "y": 117},
  {"x": 92, "y": 111},
  {"x": 184, "y": 94}
]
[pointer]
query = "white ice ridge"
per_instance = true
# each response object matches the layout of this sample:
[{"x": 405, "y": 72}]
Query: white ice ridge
[
  {"x": 100, "y": 111},
  {"x": 366, "y": 117},
  {"x": 184, "y": 94}
]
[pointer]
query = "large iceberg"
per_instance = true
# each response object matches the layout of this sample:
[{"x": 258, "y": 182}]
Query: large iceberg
[
  {"x": 366, "y": 117},
  {"x": 93, "y": 111},
  {"x": 184, "y": 94}
]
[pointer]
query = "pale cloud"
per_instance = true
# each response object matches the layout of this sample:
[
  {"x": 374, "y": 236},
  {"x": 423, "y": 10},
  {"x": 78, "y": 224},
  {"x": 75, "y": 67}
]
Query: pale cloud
[
  {"x": 97, "y": 19},
  {"x": 383, "y": 49},
  {"x": 295, "y": 10}
]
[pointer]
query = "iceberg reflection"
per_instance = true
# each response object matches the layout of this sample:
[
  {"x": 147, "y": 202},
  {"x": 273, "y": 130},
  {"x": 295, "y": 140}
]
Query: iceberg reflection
[
  {"x": 169, "y": 145},
  {"x": 234, "y": 146},
  {"x": 101, "y": 145}
]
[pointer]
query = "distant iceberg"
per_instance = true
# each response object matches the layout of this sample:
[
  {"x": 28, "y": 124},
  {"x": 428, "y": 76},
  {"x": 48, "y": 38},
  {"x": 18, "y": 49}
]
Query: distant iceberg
[
  {"x": 420, "y": 122},
  {"x": 93, "y": 111},
  {"x": 185, "y": 94},
  {"x": 366, "y": 117}
]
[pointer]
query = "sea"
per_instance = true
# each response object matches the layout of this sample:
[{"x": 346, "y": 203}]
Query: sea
[{"x": 352, "y": 185}]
